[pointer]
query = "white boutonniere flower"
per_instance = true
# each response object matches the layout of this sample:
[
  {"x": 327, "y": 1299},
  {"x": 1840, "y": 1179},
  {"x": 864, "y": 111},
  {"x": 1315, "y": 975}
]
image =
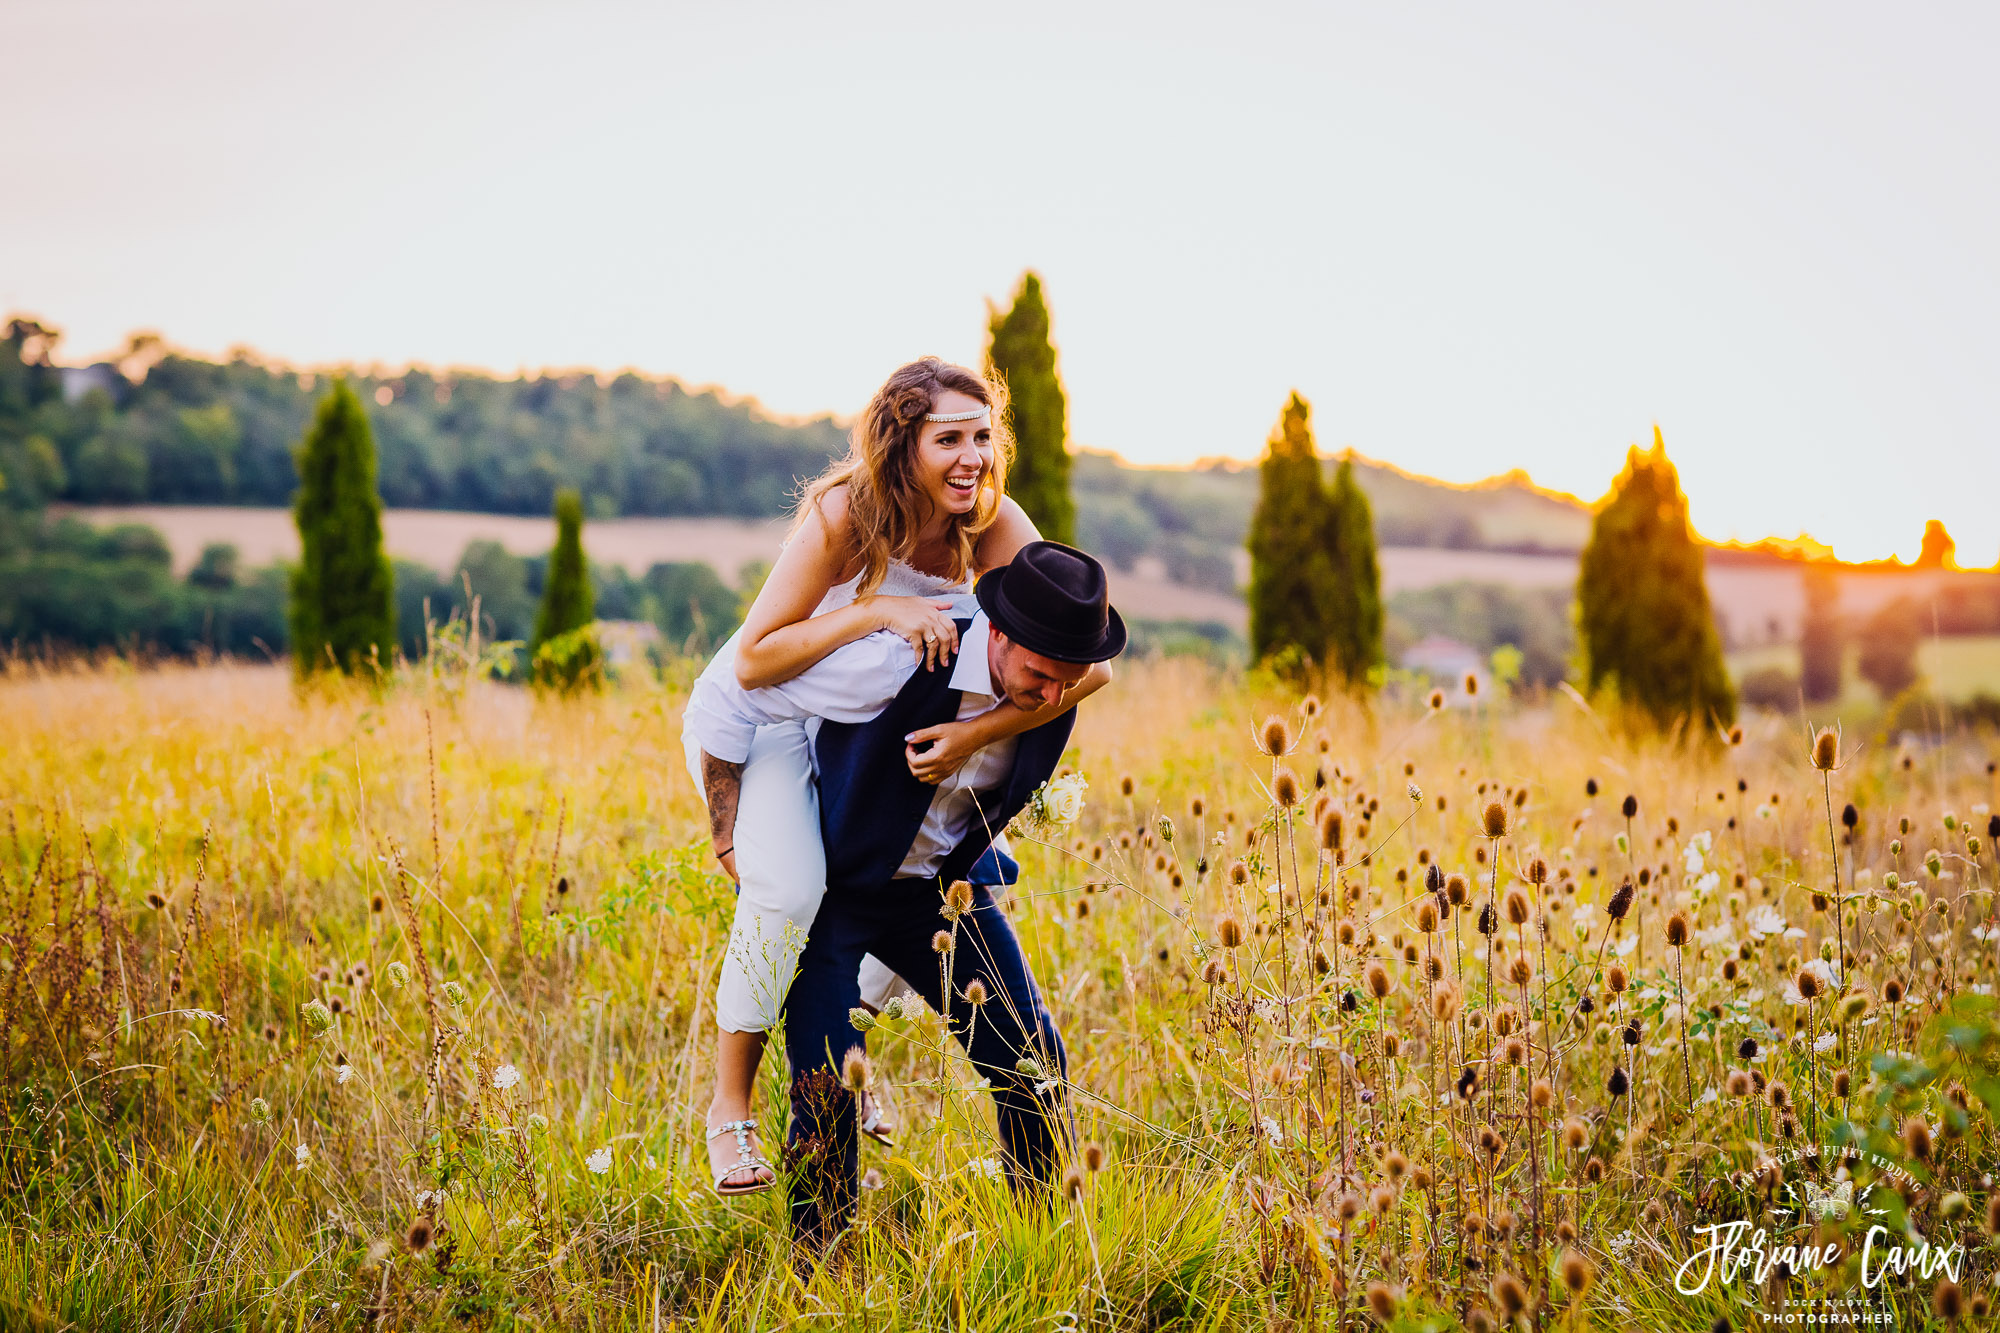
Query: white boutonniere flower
[{"x": 1057, "y": 803}]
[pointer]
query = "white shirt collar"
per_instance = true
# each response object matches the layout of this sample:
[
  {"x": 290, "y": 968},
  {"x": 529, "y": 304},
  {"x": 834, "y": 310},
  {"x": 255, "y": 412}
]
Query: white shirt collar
[{"x": 972, "y": 673}]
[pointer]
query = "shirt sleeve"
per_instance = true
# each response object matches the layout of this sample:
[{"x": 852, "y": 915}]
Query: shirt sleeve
[{"x": 852, "y": 683}]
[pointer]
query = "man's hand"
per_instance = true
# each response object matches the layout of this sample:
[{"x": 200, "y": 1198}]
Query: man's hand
[
  {"x": 722, "y": 785},
  {"x": 950, "y": 745}
]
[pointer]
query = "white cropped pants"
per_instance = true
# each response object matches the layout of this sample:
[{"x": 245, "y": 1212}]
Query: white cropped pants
[{"x": 781, "y": 865}]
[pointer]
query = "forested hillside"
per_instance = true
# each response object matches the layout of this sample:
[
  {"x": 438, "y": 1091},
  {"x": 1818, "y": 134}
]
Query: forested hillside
[{"x": 165, "y": 427}]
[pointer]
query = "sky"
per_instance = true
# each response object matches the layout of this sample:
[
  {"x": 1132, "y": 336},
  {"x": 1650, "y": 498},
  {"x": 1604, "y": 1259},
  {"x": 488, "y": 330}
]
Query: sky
[{"x": 1476, "y": 237}]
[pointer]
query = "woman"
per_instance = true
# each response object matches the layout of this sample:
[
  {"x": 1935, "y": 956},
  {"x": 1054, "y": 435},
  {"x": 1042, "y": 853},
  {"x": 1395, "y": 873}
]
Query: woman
[{"x": 889, "y": 538}]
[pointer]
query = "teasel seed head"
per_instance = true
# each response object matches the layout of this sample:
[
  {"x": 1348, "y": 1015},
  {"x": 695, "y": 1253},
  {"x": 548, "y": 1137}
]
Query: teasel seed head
[
  {"x": 1072, "y": 1184},
  {"x": 1276, "y": 738},
  {"x": 1538, "y": 871},
  {"x": 1576, "y": 1272},
  {"x": 1239, "y": 872},
  {"x": 854, "y": 1069},
  {"x": 1541, "y": 1095},
  {"x": 1489, "y": 920},
  {"x": 1616, "y": 978},
  {"x": 1593, "y": 1170},
  {"x": 1495, "y": 820},
  {"x": 941, "y": 941},
  {"x": 1427, "y": 915},
  {"x": 1947, "y": 1301},
  {"x": 1445, "y": 1001},
  {"x": 1381, "y": 1302},
  {"x": 1807, "y": 982},
  {"x": 1737, "y": 1084},
  {"x": 1378, "y": 980},
  {"x": 1331, "y": 830},
  {"x": 1621, "y": 901},
  {"x": 1395, "y": 1164},
  {"x": 975, "y": 992},
  {"x": 1518, "y": 907},
  {"x": 1213, "y": 973},
  {"x": 1917, "y": 1138},
  {"x": 1619, "y": 1083},
  {"x": 1229, "y": 931},
  {"x": 1285, "y": 787},
  {"x": 1677, "y": 930},
  {"x": 1509, "y": 1295},
  {"x": 1778, "y": 1095},
  {"x": 418, "y": 1237},
  {"x": 1630, "y": 809},
  {"x": 1521, "y": 970},
  {"x": 1514, "y": 1052},
  {"x": 1575, "y": 1133},
  {"x": 1825, "y": 750},
  {"x": 1093, "y": 1156},
  {"x": 1892, "y": 990}
]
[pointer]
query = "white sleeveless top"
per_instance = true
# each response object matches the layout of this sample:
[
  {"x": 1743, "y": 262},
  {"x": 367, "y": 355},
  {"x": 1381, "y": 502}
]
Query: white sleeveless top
[{"x": 901, "y": 579}]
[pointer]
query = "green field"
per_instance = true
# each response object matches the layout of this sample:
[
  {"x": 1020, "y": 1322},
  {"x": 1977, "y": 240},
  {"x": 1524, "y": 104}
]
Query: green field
[{"x": 1954, "y": 669}]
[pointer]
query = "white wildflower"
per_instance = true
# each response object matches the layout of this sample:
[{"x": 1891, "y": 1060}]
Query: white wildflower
[
  {"x": 599, "y": 1161},
  {"x": 1707, "y": 884},
  {"x": 1763, "y": 812},
  {"x": 301, "y": 1157},
  {"x": 1764, "y": 920},
  {"x": 987, "y": 1168},
  {"x": 343, "y": 1072},
  {"x": 1696, "y": 856},
  {"x": 1271, "y": 1130},
  {"x": 1825, "y": 1042},
  {"x": 505, "y": 1077}
]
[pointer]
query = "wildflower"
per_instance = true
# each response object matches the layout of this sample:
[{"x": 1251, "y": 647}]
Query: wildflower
[
  {"x": 454, "y": 994},
  {"x": 1621, "y": 901},
  {"x": 301, "y": 1157},
  {"x": 986, "y": 1168},
  {"x": 941, "y": 941},
  {"x": 343, "y": 1072},
  {"x": 318, "y": 1018},
  {"x": 860, "y": 1019},
  {"x": 397, "y": 974},
  {"x": 599, "y": 1161},
  {"x": 1825, "y": 1042},
  {"x": 1764, "y": 921},
  {"x": 957, "y": 900},
  {"x": 893, "y": 1008},
  {"x": 505, "y": 1077},
  {"x": 854, "y": 1069},
  {"x": 538, "y": 1124},
  {"x": 1416, "y": 794},
  {"x": 1271, "y": 1130},
  {"x": 260, "y": 1111},
  {"x": 975, "y": 992}
]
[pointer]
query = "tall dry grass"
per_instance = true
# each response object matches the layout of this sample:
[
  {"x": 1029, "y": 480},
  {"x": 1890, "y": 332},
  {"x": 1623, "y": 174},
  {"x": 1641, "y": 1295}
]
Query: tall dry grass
[{"x": 323, "y": 1010}]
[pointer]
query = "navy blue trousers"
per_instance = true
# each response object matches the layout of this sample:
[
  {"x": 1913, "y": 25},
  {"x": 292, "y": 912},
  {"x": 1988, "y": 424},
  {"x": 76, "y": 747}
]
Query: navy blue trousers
[{"x": 896, "y": 923}]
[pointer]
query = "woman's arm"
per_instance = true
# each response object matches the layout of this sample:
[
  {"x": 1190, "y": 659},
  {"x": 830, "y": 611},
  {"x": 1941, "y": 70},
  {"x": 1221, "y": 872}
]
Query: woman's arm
[
  {"x": 999, "y": 544},
  {"x": 955, "y": 742},
  {"x": 781, "y": 635}
]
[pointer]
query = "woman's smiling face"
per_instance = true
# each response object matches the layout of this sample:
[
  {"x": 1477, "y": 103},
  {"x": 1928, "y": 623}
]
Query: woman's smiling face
[{"x": 953, "y": 457}]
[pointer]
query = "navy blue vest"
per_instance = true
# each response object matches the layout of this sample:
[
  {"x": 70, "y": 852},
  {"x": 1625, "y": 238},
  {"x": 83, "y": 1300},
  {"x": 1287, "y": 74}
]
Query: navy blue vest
[{"x": 871, "y": 806}]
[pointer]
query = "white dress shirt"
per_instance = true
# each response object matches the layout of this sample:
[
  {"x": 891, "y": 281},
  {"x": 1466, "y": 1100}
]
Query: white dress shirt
[{"x": 854, "y": 683}]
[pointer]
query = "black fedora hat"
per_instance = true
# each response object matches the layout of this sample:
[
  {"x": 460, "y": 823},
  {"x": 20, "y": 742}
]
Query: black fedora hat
[{"x": 1052, "y": 599}]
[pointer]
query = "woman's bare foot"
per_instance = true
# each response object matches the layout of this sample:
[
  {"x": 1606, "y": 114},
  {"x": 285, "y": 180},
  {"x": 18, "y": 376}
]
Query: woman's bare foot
[
  {"x": 878, "y": 1118},
  {"x": 726, "y": 1167}
]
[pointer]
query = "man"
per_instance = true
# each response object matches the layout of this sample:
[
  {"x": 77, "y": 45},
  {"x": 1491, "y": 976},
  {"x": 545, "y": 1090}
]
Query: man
[{"x": 895, "y": 846}]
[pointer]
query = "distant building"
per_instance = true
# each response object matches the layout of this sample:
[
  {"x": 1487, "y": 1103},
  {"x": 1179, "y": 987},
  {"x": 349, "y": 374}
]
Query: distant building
[
  {"x": 1447, "y": 662},
  {"x": 627, "y": 641}
]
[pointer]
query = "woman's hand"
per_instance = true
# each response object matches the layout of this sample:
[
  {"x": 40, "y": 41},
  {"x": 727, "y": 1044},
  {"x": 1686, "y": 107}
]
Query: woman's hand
[
  {"x": 924, "y": 622},
  {"x": 951, "y": 744}
]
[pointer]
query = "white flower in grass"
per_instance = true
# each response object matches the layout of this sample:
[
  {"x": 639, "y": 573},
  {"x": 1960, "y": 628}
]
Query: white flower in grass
[
  {"x": 987, "y": 1168},
  {"x": 301, "y": 1157},
  {"x": 1825, "y": 1043},
  {"x": 505, "y": 1077},
  {"x": 1764, "y": 920},
  {"x": 599, "y": 1161},
  {"x": 1271, "y": 1130},
  {"x": 343, "y": 1072}
]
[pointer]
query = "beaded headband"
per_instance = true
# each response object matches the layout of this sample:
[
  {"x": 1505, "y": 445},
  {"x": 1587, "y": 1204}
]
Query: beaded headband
[{"x": 956, "y": 416}]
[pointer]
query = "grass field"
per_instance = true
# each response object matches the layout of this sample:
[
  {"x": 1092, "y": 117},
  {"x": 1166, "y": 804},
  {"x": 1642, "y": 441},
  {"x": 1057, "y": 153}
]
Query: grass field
[{"x": 323, "y": 1011}]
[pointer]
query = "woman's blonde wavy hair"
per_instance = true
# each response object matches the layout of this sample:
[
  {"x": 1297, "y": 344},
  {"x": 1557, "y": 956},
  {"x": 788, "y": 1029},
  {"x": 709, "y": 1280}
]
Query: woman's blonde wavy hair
[{"x": 886, "y": 508}]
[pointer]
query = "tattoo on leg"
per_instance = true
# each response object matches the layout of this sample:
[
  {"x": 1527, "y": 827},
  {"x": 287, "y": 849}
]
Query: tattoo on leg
[{"x": 722, "y": 783}]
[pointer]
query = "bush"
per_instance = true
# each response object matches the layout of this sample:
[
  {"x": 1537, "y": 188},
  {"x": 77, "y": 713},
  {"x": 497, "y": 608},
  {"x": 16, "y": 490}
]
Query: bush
[{"x": 1772, "y": 688}]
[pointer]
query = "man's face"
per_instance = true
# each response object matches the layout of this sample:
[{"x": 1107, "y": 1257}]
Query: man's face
[{"x": 1031, "y": 681}]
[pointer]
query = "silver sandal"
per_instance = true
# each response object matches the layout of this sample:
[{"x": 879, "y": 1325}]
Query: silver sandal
[
  {"x": 744, "y": 1159},
  {"x": 871, "y": 1124}
]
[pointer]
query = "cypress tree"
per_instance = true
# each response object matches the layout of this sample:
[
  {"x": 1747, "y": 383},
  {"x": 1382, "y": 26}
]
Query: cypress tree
[
  {"x": 1821, "y": 647},
  {"x": 1644, "y": 622},
  {"x": 1292, "y": 575},
  {"x": 1354, "y": 617},
  {"x": 343, "y": 593},
  {"x": 568, "y": 602},
  {"x": 1022, "y": 355}
]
